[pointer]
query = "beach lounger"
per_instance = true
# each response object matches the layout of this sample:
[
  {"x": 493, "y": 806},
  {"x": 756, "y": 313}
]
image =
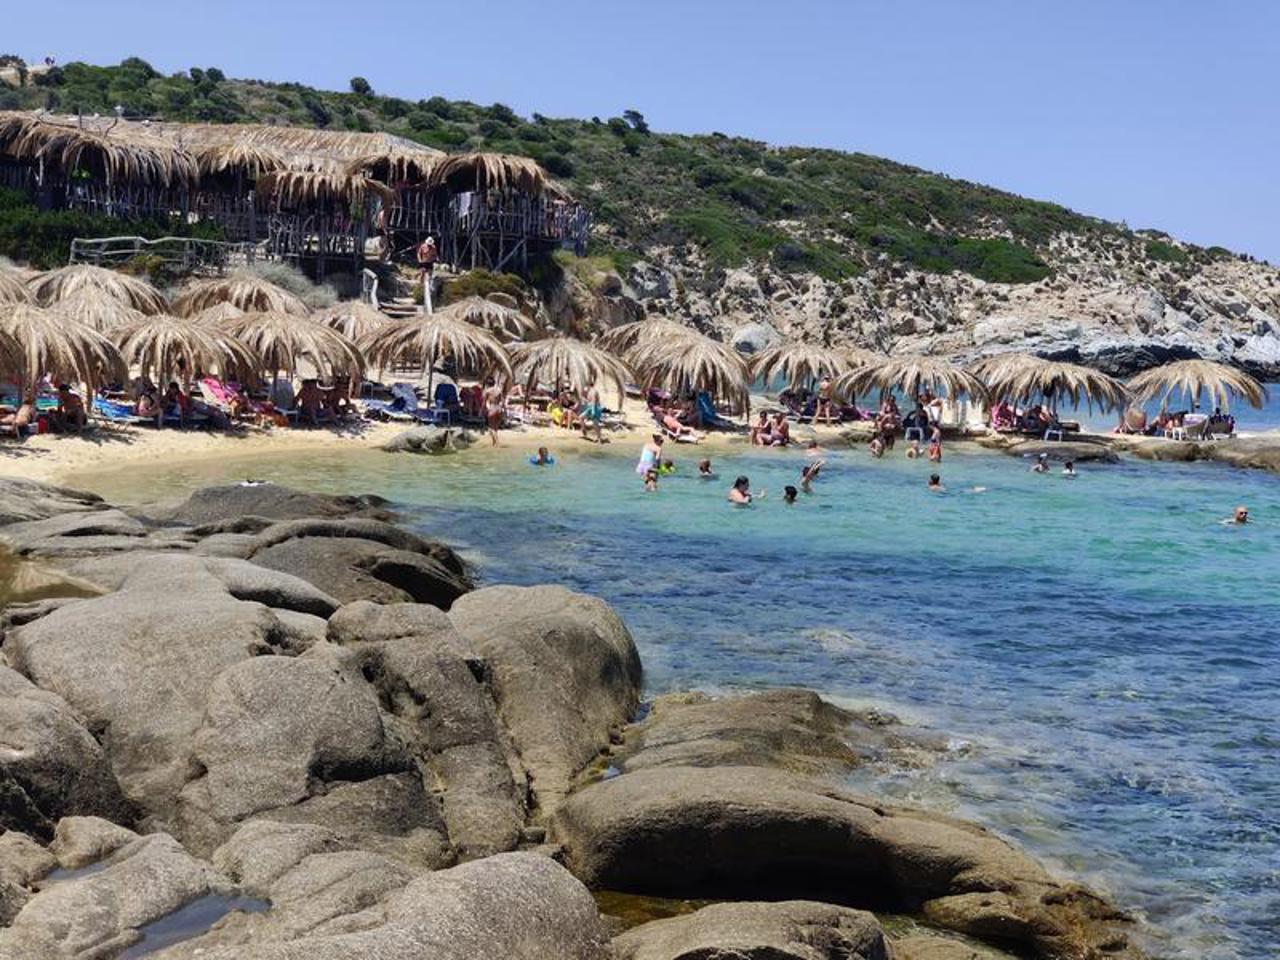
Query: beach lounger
[{"x": 122, "y": 414}]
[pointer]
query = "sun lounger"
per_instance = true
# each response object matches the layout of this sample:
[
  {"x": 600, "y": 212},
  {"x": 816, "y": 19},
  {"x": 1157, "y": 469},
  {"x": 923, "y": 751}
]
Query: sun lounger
[{"x": 123, "y": 414}]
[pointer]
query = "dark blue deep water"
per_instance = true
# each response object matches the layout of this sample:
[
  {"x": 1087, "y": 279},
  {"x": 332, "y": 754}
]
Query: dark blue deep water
[{"x": 1102, "y": 652}]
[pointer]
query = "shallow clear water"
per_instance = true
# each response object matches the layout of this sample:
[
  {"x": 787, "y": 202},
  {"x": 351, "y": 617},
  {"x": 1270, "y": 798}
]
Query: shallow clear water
[{"x": 1103, "y": 650}]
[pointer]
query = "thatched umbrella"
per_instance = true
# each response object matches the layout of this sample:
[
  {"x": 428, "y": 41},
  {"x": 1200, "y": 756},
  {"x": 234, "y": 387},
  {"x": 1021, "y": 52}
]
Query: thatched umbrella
[
  {"x": 618, "y": 340},
  {"x": 1190, "y": 378},
  {"x": 1019, "y": 377},
  {"x": 12, "y": 360},
  {"x": 52, "y": 343},
  {"x": 691, "y": 362},
  {"x": 492, "y": 316},
  {"x": 12, "y": 287},
  {"x": 213, "y": 316},
  {"x": 487, "y": 171},
  {"x": 798, "y": 362},
  {"x": 912, "y": 374},
  {"x": 170, "y": 346},
  {"x": 428, "y": 339},
  {"x": 49, "y": 288},
  {"x": 118, "y": 152},
  {"x": 354, "y": 319},
  {"x": 101, "y": 312},
  {"x": 241, "y": 289},
  {"x": 280, "y": 340},
  {"x": 566, "y": 360}
]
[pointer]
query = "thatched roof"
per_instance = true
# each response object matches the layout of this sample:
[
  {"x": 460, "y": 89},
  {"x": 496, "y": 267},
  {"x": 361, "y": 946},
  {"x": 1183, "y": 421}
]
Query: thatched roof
[
  {"x": 565, "y": 360},
  {"x": 689, "y": 362},
  {"x": 1190, "y": 378},
  {"x": 95, "y": 309},
  {"x": 618, "y": 340},
  {"x": 427, "y": 339},
  {"x": 281, "y": 340},
  {"x": 297, "y": 187},
  {"x": 49, "y": 288},
  {"x": 244, "y": 290},
  {"x": 215, "y": 314},
  {"x": 492, "y": 316},
  {"x": 487, "y": 171},
  {"x": 1020, "y": 377},
  {"x": 12, "y": 360},
  {"x": 354, "y": 319},
  {"x": 13, "y": 289},
  {"x": 396, "y": 165},
  {"x": 52, "y": 343},
  {"x": 800, "y": 363},
  {"x": 251, "y": 160},
  {"x": 165, "y": 345},
  {"x": 115, "y": 150},
  {"x": 912, "y": 374}
]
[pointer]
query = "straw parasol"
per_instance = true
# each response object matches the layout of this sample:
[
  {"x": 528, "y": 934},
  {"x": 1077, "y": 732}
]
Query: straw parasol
[
  {"x": 280, "y": 340},
  {"x": 12, "y": 360},
  {"x": 12, "y": 287},
  {"x": 1020, "y": 376},
  {"x": 912, "y": 374},
  {"x": 566, "y": 360},
  {"x": 239, "y": 158},
  {"x": 618, "y": 340},
  {"x": 690, "y": 362},
  {"x": 487, "y": 171},
  {"x": 1190, "y": 378},
  {"x": 799, "y": 362},
  {"x": 427, "y": 339},
  {"x": 168, "y": 345},
  {"x": 241, "y": 289},
  {"x": 216, "y": 314},
  {"x": 52, "y": 343},
  {"x": 354, "y": 319},
  {"x": 492, "y": 316},
  {"x": 101, "y": 312},
  {"x": 48, "y": 288}
]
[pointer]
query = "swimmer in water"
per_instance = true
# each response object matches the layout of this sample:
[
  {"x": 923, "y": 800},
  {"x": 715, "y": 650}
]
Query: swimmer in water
[
  {"x": 876, "y": 446},
  {"x": 810, "y": 474},
  {"x": 1041, "y": 464},
  {"x": 788, "y": 494},
  {"x": 913, "y": 450},
  {"x": 666, "y": 468},
  {"x": 651, "y": 481},
  {"x": 1069, "y": 469},
  {"x": 543, "y": 459},
  {"x": 814, "y": 449},
  {"x": 704, "y": 470},
  {"x": 935, "y": 484},
  {"x": 740, "y": 494},
  {"x": 1238, "y": 518}
]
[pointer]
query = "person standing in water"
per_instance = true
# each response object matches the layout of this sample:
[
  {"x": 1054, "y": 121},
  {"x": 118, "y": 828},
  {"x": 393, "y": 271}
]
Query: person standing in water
[
  {"x": 650, "y": 454},
  {"x": 1041, "y": 464},
  {"x": 1069, "y": 469},
  {"x": 810, "y": 474},
  {"x": 824, "y": 406},
  {"x": 651, "y": 481},
  {"x": 592, "y": 412},
  {"x": 935, "y": 444},
  {"x": 935, "y": 484},
  {"x": 493, "y": 404},
  {"x": 740, "y": 494},
  {"x": 788, "y": 494}
]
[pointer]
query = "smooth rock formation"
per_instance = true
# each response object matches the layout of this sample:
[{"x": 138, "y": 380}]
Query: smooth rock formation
[
  {"x": 430, "y": 440},
  {"x": 268, "y": 500},
  {"x": 565, "y": 673},
  {"x": 81, "y": 841}
]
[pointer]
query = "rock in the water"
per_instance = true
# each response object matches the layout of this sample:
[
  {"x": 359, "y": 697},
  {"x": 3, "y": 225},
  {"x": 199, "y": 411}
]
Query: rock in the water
[
  {"x": 430, "y": 440},
  {"x": 269, "y": 500},
  {"x": 53, "y": 766},
  {"x": 566, "y": 675},
  {"x": 789, "y": 930},
  {"x": 1081, "y": 451}
]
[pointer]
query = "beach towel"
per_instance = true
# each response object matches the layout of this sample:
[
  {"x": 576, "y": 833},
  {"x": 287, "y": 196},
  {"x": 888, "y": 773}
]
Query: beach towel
[{"x": 707, "y": 411}]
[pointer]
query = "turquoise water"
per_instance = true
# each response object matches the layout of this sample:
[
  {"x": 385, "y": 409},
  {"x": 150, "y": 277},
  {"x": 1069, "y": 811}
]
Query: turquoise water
[{"x": 1102, "y": 651}]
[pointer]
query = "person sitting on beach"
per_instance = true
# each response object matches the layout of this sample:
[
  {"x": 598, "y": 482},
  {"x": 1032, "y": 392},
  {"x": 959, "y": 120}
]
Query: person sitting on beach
[
  {"x": 788, "y": 494},
  {"x": 917, "y": 420},
  {"x": 933, "y": 405},
  {"x": 494, "y": 397},
  {"x": 176, "y": 403},
  {"x": 70, "y": 412},
  {"x": 1240, "y": 516},
  {"x": 1002, "y": 416},
  {"x": 935, "y": 444},
  {"x": 704, "y": 470},
  {"x": 1042, "y": 464},
  {"x": 1069, "y": 470},
  {"x": 310, "y": 402},
  {"x": 810, "y": 474},
  {"x": 24, "y": 416},
  {"x": 761, "y": 430},
  {"x": 543, "y": 458},
  {"x": 780, "y": 435},
  {"x": 935, "y": 484},
  {"x": 876, "y": 446},
  {"x": 888, "y": 420},
  {"x": 740, "y": 494},
  {"x": 650, "y": 454},
  {"x": 1132, "y": 420},
  {"x": 651, "y": 481},
  {"x": 337, "y": 400}
]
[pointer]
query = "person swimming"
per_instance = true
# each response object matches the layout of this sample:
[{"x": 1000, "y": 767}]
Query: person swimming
[
  {"x": 1069, "y": 469},
  {"x": 788, "y": 494},
  {"x": 1041, "y": 464},
  {"x": 666, "y": 468},
  {"x": 913, "y": 449},
  {"x": 704, "y": 470},
  {"x": 543, "y": 458},
  {"x": 651, "y": 481},
  {"x": 935, "y": 484},
  {"x": 810, "y": 474},
  {"x": 740, "y": 494},
  {"x": 1238, "y": 517}
]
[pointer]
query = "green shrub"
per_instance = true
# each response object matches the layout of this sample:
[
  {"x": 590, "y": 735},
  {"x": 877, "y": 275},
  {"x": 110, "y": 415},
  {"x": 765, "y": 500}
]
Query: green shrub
[
  {"x": 481, "y": 283},
  {"x": 1165, "y": 252}
]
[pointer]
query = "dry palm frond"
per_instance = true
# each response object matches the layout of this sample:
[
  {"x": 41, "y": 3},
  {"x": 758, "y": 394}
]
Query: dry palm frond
[
  {"x": 115, "y": 151},
  {"x": 691, "y": 362},
  {"x": 246, "y": 291},
  {"x": 168, "y": 346},
  {"x": 492, "y": 316},
  {"x": 12, "y": 360},
  {"x": 13, "y": 288},
  {"x": 560, "y": 360},
  {"x": 280, "y": 340},
  {"x": 97, "y": 310},
  {"x": 618, "y": 340},
  {"x": 798, "y": 362},
  {"x": 1190, "y": 378},
  {"x": 1020, "y": 377},
  {"x": 250, "y": 160},
  {"x": 49, "y": 288},
  {"x": 427, "y": 339},
  {"x": 396, "y": 165},
  {"x": 354, "y": 319},
  {"x": 294, "y": 187},
  {"x": 912, "y": 375},
  {"x": 54, "y": 344},
  {"x": 487, "y": 171},
  {"x": 214, "y": 315}
]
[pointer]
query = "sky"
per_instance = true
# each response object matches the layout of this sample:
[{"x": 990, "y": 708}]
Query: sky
[{"x": 1162, "y": 114}]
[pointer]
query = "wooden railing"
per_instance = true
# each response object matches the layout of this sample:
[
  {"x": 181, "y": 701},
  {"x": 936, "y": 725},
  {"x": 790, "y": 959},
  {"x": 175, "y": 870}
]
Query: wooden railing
[{"x": 186, "y": 254}]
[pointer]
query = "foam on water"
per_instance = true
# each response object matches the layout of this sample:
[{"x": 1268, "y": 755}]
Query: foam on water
[{"x": 1105, "y": 649}]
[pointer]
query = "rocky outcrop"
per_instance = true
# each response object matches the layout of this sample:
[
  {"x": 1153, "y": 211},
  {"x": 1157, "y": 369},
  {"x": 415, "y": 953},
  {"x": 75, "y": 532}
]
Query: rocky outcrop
[
  {"x": 429, "y": 439},
  {"x": 210, "y": 505},
  {"x": 565, "y": 673}
]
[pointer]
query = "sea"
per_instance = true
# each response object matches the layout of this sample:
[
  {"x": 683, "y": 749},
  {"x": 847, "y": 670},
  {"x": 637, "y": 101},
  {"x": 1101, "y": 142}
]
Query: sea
[{"x": 1101, "y": 654}]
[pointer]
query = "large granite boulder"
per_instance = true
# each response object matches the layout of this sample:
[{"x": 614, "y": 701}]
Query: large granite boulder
[
  {"x": 268, "y": 500},
  {"x": 50, "y": 765},
  {"x": 100, "y": 914},
  {"x": 429, "y": 439},
  {"x": 24, "y": 500},
  {"x": 565, "y": 673},
  {"x": 517, "y": 906},
  {"x": 81, "y": 841},
  {"x": 788, "y": 930}
]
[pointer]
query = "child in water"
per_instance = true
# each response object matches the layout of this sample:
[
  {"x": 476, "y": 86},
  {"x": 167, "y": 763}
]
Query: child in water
[
  {"x": 1069, "y": 469},
  {"x": 788, "y": 494},
  {"x": 935, "y": 444},
  {"x": 651, "y": 481},
  {"x": 666, "y": 468},
  {"x": 543, "y": 458},
  {"x": 913, "y": 449},
  {"x": 935, "y": 484},
  {"x": 704, "y": 470}
]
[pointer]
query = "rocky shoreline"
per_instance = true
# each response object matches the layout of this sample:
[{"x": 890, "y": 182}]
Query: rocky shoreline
[{"x": 284, "y": 728}]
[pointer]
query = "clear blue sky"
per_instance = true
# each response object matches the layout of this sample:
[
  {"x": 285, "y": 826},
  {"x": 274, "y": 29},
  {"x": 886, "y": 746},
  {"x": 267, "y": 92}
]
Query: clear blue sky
[{"x": 1161, "y": 114}]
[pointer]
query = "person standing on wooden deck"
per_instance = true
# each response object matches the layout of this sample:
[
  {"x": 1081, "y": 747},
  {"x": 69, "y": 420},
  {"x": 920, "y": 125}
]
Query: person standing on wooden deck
[{"x": 427, "y": 254}]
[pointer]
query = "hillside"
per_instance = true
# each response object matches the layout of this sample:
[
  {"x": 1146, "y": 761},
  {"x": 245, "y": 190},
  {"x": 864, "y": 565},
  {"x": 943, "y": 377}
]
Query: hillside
[{"x": 744, "y": 238}]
